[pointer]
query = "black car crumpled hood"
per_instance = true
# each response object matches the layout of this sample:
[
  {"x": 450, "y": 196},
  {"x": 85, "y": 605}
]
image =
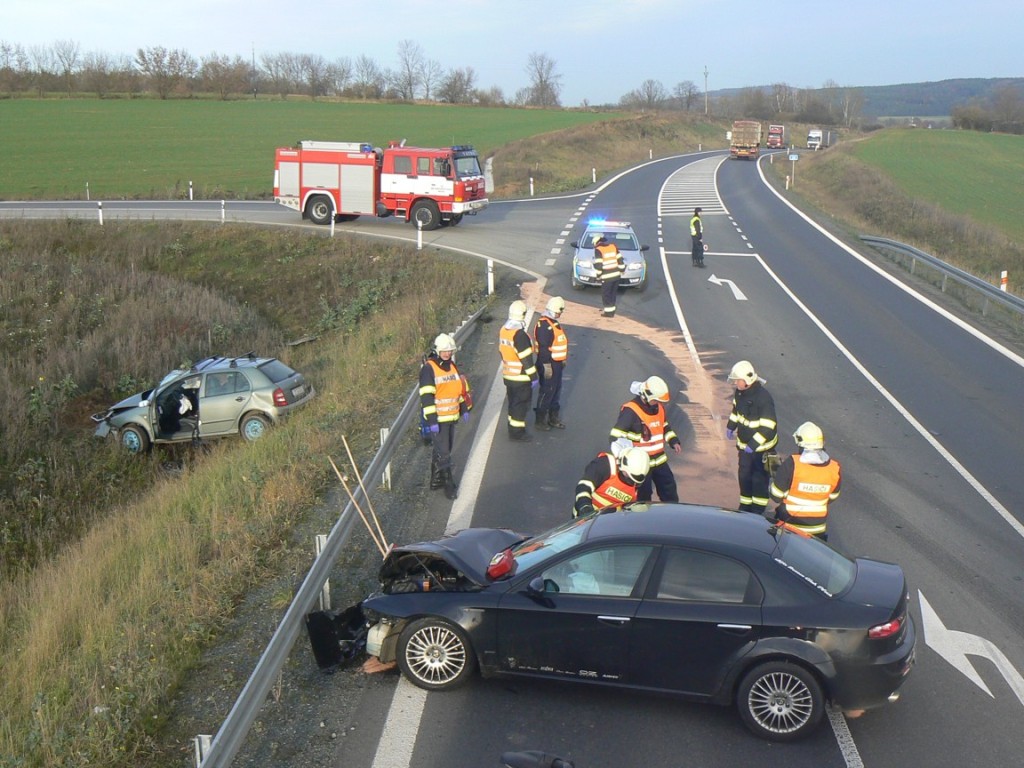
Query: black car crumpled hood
[{"x": 468, "y": 551}]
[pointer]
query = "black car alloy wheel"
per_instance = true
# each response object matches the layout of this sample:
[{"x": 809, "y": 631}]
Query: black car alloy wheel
[
  {"x": 435, "y": 654},
  {"x": 780, "y": 701}
]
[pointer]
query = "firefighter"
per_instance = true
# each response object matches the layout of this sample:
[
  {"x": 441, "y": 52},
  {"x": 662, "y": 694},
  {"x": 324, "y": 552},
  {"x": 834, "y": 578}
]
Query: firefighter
[
  {"x": 697, "y": 238},
  {"x": 643, "y": 422},
  {"x": 517, "y": 369},
  {"x": 443, "y": 401},
  {"x": 610, "y": 265},
  {"x": 611, "y": 480},
  {"x": 753, "y": 427},
  {"x": 552, "y": 349},
  {"x": 806, "y": 483}
]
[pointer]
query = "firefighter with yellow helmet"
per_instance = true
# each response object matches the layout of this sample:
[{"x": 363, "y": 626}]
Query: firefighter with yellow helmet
[
  {"x": 517, "y": 369},
  {"x": 753, "y": 428},
  {"x": 644, "y": 423},
  {"x": 806, "y": 483},
  {"x": 611, "y": 480},
  {"x": 444, "y": 399}
]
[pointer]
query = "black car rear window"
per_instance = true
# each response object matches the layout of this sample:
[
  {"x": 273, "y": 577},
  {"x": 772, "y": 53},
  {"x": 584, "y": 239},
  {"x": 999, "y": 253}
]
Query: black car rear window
[
  {"x": 276, "y": 370},
  {"x": 815, "y": 562}
]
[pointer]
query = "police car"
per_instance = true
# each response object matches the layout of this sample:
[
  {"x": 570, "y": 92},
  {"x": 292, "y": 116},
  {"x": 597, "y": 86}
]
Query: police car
[{"x": 621, "y": 233}]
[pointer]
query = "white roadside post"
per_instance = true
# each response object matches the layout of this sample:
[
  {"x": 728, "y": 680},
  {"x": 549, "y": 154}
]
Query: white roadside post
[
  {"x": 490, "y": 277},
  {"x": 332, "y": 225},
  {"x": 221, "y": 211},
  {"x": 325, "y": 592},
  {"x": 190, "y": 190},
  {"x": 386, "y": 476},
  {"x": 87, "y": 191},
  {"x": 593, "y": 175},
  {"x": 201, "y": 745},
  {"x": 99, "y": 206},
  {"x": 419, "y": 235},
  {"x": 1004, "y": 280},
  {"x": 531, "y": 186}
]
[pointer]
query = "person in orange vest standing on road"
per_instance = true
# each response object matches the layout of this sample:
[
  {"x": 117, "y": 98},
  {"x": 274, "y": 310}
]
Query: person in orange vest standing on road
[
  {"x": 552, "y": 348},
  {"x": 608, "y": 260},
  {"x": 806, "y": 483},
  {"x": 444, "y": 399},
  {"x": 517, "y": 369},
  {"x": 643, "y": 422}
]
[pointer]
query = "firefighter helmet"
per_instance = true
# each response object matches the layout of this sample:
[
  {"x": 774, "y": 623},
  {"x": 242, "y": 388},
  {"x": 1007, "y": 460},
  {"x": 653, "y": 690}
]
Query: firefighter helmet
[
  {"x": 634, "y": 463},
  {"x": 556, "y": 305},
  {"x": 655, "y": 389},
  {"x": 445, "y": 343},
  {"x": 809, "y": 436},
  {"x": 743, "y": 370},
  {"x": 517, "y": 311}
]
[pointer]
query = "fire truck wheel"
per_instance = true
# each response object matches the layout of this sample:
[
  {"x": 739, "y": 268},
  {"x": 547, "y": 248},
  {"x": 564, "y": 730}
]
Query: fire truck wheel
[
  {"x": 425, "y": 215},
  {"x": 319, "y": 209},
  {"x": 456, "y": 219}
]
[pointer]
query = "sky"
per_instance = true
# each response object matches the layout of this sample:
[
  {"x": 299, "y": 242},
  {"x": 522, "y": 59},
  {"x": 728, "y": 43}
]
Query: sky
[{"x": 601, "y": 49}]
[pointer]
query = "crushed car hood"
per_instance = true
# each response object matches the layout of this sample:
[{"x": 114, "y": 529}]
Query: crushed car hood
[{"x": 468, "y": 551}]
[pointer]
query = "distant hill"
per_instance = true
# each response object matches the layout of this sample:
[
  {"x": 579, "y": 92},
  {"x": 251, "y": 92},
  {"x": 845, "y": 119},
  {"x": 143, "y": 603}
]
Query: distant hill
[{"x": 935, "y": 99}]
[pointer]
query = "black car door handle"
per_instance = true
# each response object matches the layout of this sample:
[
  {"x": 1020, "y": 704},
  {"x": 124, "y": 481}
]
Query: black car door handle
[{"x": 614, "y": 619}]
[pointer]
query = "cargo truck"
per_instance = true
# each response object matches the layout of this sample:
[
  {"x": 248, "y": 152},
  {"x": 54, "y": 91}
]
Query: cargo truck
[
  {"x": 819, "y": 139},
  {"x": 745, "y": 139},
  {"x": 776, "y": 137}
]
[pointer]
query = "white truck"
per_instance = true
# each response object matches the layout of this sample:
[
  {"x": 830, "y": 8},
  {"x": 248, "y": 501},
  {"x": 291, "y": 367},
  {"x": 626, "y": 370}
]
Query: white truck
[{"x": 819, "y": 139}]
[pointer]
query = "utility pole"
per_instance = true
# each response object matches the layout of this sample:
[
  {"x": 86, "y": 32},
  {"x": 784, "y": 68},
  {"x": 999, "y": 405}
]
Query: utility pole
[{"x": 705, "y": 90}]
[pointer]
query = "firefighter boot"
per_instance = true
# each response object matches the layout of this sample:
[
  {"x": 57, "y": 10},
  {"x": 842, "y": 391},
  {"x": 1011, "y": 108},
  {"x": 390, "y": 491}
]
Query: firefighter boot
[
  {"x": 554, "y": 421},
  {"x": 436, "y": 476},
  {"x": 451, "y": 490},
  {"x": 542, "y": 423}
]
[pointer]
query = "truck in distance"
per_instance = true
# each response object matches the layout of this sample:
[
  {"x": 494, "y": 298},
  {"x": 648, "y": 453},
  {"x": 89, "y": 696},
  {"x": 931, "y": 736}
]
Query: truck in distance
[
  {"x": 819, "y": 139},
  {"x": 776, "y": 137},
  {"x": 745, "y": 141}
]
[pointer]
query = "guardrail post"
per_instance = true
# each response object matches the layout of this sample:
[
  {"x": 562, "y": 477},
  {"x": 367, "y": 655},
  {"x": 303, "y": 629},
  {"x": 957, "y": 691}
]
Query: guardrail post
[
  {"x": 490, "y": 277},
  {"x": 99, "y": 207},
  {"x": 332, "y": 226},
  {"x": 325, "y": 592},
  {"x": 386, "y": 476},
  {"x": 531, "y": 186},
  {"x": 201, "y": 745},
  {"x": 221, "y": 211},
  {"x": 419, "y": 235},
  {"x": 87, "y": 191},
  {"x": 944, "y": 279}
]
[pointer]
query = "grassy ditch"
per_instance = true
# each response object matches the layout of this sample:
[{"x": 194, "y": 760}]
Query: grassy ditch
[{"x": 119, "y": 572}]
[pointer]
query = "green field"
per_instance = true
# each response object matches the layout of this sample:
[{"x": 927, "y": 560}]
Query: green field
[
  {"x": 146, "y": 148},
  {"x": 981, "y": 175}
]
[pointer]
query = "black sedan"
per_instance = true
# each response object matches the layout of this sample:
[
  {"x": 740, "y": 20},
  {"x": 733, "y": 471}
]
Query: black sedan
[{"x": 711, "y": 604}]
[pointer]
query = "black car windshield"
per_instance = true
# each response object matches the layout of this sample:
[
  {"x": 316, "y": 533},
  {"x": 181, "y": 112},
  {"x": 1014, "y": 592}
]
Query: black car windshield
[
  {"x": 815, "y": 562},
  {"x": 542, "y": 548}
]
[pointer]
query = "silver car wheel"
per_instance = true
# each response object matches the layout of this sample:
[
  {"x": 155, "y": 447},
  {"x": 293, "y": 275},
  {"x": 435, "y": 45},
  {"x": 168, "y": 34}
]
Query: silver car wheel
[
  {"x": 254, "y": 426},
  {"x": 780, "y": 701},
  {"x": 435, "y": 654}
]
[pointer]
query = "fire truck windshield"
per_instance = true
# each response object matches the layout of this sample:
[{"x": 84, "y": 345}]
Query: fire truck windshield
[{"x": 467, "y": 165}]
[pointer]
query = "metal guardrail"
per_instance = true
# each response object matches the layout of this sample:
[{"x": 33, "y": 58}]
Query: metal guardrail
[
  {"x": 983, "y": 292},
  {"x": 233, "y": 731}
]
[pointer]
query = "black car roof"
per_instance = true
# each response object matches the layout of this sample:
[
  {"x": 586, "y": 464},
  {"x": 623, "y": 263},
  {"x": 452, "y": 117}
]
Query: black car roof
[{"x": 692, "y": 521}]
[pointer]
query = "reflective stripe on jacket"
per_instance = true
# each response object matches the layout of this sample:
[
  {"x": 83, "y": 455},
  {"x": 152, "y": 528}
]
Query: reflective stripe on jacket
[
  {"x": 600, "y": 493},
  {"x": 696, "y": 227},
  {"x": 812, "y": 488},
  {"x": 447, "y": 393},
  {"x": 654, "y": 431}
]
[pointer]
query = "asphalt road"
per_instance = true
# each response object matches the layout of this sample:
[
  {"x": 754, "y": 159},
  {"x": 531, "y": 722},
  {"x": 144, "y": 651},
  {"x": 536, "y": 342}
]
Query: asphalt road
[{"x": 922, "y": 410}]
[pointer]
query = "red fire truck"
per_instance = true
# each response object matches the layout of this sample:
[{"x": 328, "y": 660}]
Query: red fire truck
[{"x": 328, "y": 180}]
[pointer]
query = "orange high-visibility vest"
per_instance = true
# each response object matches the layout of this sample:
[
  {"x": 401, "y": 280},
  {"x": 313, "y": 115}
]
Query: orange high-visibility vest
[
  {"x": 812, "y": 488},
  {"x": 613, "y": 490},
  {"x": 611, "y": 261},
  {"x": 560, "y": 345},
  {"x": 448, "y": 388},
  {"x": 512, "y": 358},
  {"x": 654, "y": 444}
]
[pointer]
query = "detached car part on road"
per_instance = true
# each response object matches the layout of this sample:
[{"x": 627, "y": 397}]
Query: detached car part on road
[
  {"x": 216, "y": 397},
  {"x": 584, "y": 272},
  {"x": 706, "y": 603}
]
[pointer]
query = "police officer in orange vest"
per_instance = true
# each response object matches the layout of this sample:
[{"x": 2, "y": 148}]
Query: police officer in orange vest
[
  {"x": 444, "y": 399},
  {"x": 806, "y": 483},
  {"x": 609, "y": 480},
  {"x": 517, "y": 369},
  {"x": 610, "y": 265},
  {"x": 552, "y": 348},
  {"x": 643, "y": 422}
]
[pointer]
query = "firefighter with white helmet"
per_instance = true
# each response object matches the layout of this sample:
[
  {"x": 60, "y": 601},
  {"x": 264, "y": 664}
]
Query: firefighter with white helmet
[
  {"x": 806, "y": 483},
  {"x": 611, "y": 480},
  {"x": 444, "y": 400},
  {"x": 753, "y": 427},
  {"x": 610, "y": 265},
  {"x": 551, "y": 345},
  {"x": 644, "y": 423},
  {"x": 517, "y": 369}
]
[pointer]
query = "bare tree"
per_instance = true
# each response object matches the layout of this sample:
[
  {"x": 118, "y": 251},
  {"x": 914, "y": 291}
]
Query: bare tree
[
  {"x": 652, "y": 94},
  {"x": 407, "y": 77},
  {"x": 155, "y": 62},
  {"x": 14, "y": 68},
  {"x": 282, "y": 72},
  {"x": 339, "y": 75},
  {"x": 314, "y": 70},
  {"x": 97, "y": 73},
  {"x": 66, "y": 52},
  {"x": 457, "y": 86},
  {"x": 851, "y": 101},
  {"x": 489, "y": 97},
  {"x": 782, "y": 97},
  {"x": 545, "y": 84},
  {"x": 686, "y": 93},
  {"x": 1007, "y": 108},
  {"x": 368, "y": 79},
  {"x": 43, "y": 68},
  {"x": 430, "y": 75},
  {"x": 224, "y": 76}
]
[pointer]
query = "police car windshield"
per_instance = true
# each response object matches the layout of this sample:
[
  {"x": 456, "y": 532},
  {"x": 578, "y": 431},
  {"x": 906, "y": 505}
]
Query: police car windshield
[{"x": 625, "y": 241}]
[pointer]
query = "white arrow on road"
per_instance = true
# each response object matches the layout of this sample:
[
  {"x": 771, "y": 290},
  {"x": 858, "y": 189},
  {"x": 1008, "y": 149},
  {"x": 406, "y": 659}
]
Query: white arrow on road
[
  {"x": 954, "y": 647},
  {"x": 736, "y": 292}
]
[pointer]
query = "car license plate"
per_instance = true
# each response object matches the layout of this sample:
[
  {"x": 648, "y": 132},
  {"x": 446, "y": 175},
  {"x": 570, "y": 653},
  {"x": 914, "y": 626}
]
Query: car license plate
[{"x": 299, "y": 391}]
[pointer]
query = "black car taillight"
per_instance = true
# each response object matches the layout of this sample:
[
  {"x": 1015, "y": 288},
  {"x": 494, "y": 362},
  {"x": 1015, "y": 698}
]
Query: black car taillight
[
  {"x": 888, "y": 629},
  {"x": 279, "y": 397}
]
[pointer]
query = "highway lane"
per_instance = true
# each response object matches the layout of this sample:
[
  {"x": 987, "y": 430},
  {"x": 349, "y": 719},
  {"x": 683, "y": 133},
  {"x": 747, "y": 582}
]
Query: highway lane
[{"x": 901, "y": 500}]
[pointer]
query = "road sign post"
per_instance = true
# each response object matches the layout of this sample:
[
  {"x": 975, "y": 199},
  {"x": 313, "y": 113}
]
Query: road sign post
[{"x": 793, "y": 157}]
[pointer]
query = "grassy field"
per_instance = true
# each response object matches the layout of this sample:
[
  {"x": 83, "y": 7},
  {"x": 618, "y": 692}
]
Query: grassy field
[
  {"x": 146, "y": 148},
  {"x": 960, "y": 171}
]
